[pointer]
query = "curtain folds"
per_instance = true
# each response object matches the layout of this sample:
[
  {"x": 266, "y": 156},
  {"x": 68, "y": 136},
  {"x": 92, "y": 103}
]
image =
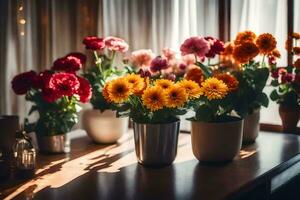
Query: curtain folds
[{"x": 54, "y": 28}]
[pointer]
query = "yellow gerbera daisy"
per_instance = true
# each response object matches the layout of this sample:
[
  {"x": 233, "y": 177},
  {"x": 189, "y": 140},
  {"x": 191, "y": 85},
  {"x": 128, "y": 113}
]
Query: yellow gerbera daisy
[
  {"x": 176, "y": 96},
  {"x": 163, "y": 83},
  {"x": 136, "y": 83},
  {"x": 191, "y": 87},
  {"x": 118, "y": 90},
  {"x": 154, "y": 98},
  {"x": 214, "y": 88}
]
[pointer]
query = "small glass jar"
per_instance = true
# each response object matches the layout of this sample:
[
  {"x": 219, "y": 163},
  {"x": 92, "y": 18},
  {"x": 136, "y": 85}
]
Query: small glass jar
[{"x": 24, "y": 155}]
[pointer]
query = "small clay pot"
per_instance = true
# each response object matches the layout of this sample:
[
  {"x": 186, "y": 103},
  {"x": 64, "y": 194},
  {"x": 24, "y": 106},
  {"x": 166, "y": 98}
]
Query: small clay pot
[{"x": 289, "y": 116}]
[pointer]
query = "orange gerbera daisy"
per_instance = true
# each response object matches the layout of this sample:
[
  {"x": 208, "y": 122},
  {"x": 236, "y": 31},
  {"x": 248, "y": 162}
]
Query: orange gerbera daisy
[
  {"x": 195, "y": 74},
  {"x": 296, "y": 35},
  {"x": 231, "y": 82},
  {"x": 105, "y": 93},
  {"x": 163, "y": 83},
  {"x": 244, "y": 52},
  {"x": 297, "y": 63},
  {"x": 214, "y": 88},
  {"x": 192, "y": 89},
  {"x": 266, "y": 43},
  {"x": 275, "y": 53},
  {"x": 176, "y": 96},
  {"x": 118, "y": 90},
  {"x": 296, "y": 51},
  {"x": 154, "y": 98},
  {"x": 136, "y": 83},
  {"x": 289, "y": 44},
  {"x": 228, "y": 49},
  {"x": 245, "y": 36}
]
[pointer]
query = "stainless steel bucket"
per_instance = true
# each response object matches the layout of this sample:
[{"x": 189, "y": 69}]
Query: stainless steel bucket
[
  {"x": 156, "y": 144},
  {"x": 54, "y": 144}
]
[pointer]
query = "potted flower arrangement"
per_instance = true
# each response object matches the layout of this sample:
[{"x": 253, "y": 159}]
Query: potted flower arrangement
[
  {"x": 153, "y": 104},
  {"x": 100, "y": 122},
  {"x": 55, "y": 95},
  {"x": 252, "y": 76},
  {"x": 216, "y": 134},
  {"x": 285, "y": 81}
]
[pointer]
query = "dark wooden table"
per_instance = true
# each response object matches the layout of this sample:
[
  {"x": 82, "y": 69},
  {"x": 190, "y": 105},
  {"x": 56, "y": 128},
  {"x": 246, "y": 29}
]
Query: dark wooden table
[{"x": 93, "y": 171}]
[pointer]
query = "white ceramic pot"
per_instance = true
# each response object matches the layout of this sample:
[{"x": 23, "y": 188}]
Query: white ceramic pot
[
  {"x": 104, "y": 127},
  {"x": 215, "y": 142},
  {"x": 251, "y": 127}
]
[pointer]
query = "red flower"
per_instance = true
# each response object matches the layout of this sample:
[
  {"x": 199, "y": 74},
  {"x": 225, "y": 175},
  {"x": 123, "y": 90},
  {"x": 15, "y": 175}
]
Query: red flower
[
  {"x": 78, "y": 55},
  {"x": 216, "y": 47},
  {"x": 93, "y": 43},
  {"x": 49, "y": 95},
  {"x": 195, "y": 45},
  {"x": 158, "y": 64},
  {"x": 85, "y": 90},
  {"x": 144, "y": 72},
  {"x": 272, "y": 60},
  {"x": 63, "y": 84},
  {"x": 23, "y": 82},
  {"x": 116, "y": 44},
  {"x": 67, "y": 64},
  {"x": 275, "y": 73},
  {"x": 287, "y": 78}
]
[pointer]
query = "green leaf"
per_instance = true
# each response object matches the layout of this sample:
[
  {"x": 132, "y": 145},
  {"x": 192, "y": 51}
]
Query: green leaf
[
  {"x": 274, "y": 95},
  {"x": 207, "y": 72},
  {"x": 263, "y": 99},
  {"x": 204, "y": 113}
]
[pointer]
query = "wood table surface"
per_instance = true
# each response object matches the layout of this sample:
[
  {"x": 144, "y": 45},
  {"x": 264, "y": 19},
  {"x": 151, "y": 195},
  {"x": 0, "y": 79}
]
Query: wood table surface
[{"x": 93, "y": 171}]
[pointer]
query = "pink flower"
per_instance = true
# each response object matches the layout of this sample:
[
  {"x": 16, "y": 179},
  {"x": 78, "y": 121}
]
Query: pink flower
[
  {"x": 158, "y": 64},
  {"x": 142, "y": 57},
  {"x": 116, "y": 44},
  {"x": 195, "y": 45},
  {"x": 188, "y": 59},
  {"x": 216, "y": 47},
  {"x": 168, "y": 53},
  {"x": 93, "y": 43}
]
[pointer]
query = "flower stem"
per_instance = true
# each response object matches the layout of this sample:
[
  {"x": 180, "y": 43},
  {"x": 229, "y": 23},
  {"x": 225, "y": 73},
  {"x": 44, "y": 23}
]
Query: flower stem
[{"x": 98, "y": 61}]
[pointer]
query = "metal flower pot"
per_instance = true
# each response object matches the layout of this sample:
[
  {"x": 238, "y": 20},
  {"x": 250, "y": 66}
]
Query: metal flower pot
[
  {"x": 216, "y": 142},
  {"x": 156, "y": 144},
  {"x": 105, "y": 127},
  {"x": 251, "y": 127},
  {"x": 54, "y": 144}
]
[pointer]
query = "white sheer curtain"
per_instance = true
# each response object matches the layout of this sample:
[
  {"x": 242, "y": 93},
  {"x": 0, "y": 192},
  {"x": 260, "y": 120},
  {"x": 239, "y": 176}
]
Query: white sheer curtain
[
  {"x": 156, "y": 24},
  {"x": 296, "y": 16},
  {"x": 260, "y": 17},
  {"x": 54, "y": 27}
]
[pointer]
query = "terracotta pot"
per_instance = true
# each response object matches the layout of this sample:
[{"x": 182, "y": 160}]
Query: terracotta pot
[
  {"x": 105, "y": 127},
  {"x": 217, "y": 141},
  {"x": 251, "y": 127},
  {"x": 156, "y": 144},
  {"x": 289, "y": 116}
]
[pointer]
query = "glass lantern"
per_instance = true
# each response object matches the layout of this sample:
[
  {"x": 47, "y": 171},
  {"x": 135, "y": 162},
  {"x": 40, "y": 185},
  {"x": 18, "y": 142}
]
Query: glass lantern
[
  {"x": 24, "y": 155},
  {"x": 4, "y": 167}
]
